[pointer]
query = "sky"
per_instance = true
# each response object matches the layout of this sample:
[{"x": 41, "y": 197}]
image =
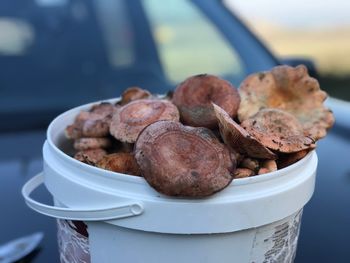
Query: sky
[{"x": 296, "y": 13}]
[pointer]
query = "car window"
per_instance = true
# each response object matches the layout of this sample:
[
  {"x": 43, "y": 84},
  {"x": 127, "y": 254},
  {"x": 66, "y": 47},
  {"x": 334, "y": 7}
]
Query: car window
[{"x": 188, "y": 43}]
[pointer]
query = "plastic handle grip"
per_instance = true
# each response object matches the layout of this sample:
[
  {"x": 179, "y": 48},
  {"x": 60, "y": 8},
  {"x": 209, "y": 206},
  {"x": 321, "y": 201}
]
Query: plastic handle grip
[{"x": 100, "y": 214}]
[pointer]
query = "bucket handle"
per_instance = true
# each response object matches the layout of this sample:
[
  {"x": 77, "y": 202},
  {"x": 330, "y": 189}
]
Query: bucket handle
[{"x": 100, "y": 214}]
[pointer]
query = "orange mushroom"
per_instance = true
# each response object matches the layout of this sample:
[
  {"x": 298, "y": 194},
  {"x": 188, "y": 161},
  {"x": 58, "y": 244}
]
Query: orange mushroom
[
  {"x": 252, "y": 164},
  {"x": 289, "y": 89},
  {"x": 179, "y": 160},
  {"x": 238, "y": 139},
  {"x": 133, "y": 117},
  {"x": 243, "y": 173},
  {"x": 90, "y": 156},
  {"x": 267, "y": 166},
  {"x": 194, "y": 96},
  {"x": 120, "y": 163},
  {"x": 92, "y": 123},
  {"x": 278, "y": 130}
]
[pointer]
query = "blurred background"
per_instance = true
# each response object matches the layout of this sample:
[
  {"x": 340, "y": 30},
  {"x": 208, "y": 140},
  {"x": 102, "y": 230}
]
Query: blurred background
[
  {"x": 58, "y": 54},
  {"x": 314, "y": 29}
]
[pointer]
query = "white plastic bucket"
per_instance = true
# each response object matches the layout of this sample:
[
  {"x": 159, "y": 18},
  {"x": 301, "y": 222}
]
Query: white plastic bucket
[{"x": 254, "y": 219}]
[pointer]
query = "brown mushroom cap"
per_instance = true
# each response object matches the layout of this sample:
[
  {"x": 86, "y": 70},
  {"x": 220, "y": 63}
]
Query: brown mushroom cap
[
  {"x": 278, "y": 130},
  {"x": 90, "y": 156},
  {"x": 96, "y": 128},
  {"x": 179, "y": 160},
  {"x": 290, "y": 89},
  {"x": 103, "y": 109},
  {"x": 92, "y": 123},
  {"x": 243, "y": 173},
  {"x": 121, "y": 163},
  {"x": 82, "y": 144},
  {"x": 134, "y": 93},
  {"x": 267, "y": 166},
  {"x": 239, "y": 139},
  {"x": 252, "y": 164},
  {"x": 132, "y": 118},
  {"x": 194, "y": 96}
]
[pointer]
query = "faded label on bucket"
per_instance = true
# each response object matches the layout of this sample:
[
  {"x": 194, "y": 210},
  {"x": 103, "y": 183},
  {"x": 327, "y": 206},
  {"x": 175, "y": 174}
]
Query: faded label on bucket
[
  {"x": 73, "y": 242},
  {"x": 277, "y": 242}
]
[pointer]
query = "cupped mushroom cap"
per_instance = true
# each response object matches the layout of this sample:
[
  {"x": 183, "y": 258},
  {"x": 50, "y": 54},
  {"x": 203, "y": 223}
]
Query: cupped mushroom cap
[
  {"x": 292, "y": 90},
  {"x": 121, "y": 163},
  {"x": 183, "y": 161},
  {"x": 278, "y": 130},
  {"x": 194, "y": 96},
  {"x": 132, "y": 118},
  {"x": 238, "y": 138}
]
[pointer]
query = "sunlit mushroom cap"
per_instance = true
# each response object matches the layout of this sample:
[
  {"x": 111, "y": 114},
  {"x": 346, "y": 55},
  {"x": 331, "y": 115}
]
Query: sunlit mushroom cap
[
  {"x": 194, "y": 96},
  {"x": 132, "y": 118},
  {"x": 184, "y": 161},
  {"x": 238, "y": 138},
  {"x": 292, "y": 90},
  {"x": 278, "y": 130}
]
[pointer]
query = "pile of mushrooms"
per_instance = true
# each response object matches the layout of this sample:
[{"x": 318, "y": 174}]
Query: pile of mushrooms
[{"x": 195, "y": 142}]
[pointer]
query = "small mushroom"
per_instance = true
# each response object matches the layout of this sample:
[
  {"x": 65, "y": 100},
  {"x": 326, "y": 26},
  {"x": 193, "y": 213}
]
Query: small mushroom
[
  {"x": 183, "y": 161},
  {"x": 120, "y": 163},
  {"x": 250, "y": 163},
  {"x": 96, "y": 128},
  {"x": 243, "y": 173},
  {"x": 91, "y": 156},
  {"x": 194, "y": 96},
  {"x": 104, "y": 109},
  {"x": 278, "y": 130},
  {"x": 92, "y": 123},
  {"x": 133, "y": 117},
  {"x": 289, "y": 89},
  {"x": 239, "y": 139},
  {"x": 82, "y": 144},
  {"x": 267, "y": 166},
  {"x": 74, "y": 131},
  {"x": 134, "y": 93}
]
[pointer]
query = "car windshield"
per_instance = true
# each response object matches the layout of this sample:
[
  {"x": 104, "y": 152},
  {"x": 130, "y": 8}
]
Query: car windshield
[{"x": 57, "y": 54}]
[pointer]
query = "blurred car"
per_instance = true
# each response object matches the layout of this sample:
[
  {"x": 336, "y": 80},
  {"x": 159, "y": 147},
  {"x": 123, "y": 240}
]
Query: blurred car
[{"x": 57, "y": 54}]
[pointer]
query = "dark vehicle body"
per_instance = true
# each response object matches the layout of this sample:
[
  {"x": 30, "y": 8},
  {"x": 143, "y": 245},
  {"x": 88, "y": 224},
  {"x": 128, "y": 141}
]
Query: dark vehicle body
[{"x": 73, "y": 57}]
